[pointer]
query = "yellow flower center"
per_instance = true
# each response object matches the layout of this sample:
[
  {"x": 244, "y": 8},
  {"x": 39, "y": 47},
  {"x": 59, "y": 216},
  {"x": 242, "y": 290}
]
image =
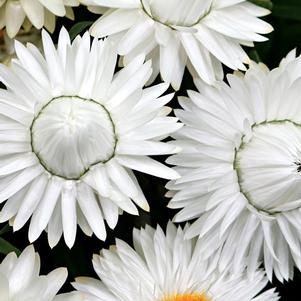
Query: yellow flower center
[{"x": 187, "y": 297}]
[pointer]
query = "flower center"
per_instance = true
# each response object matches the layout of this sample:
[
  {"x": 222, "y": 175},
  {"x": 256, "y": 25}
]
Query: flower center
[
  {"x": 187, "y": 297},
  {"x": 70, "y": 134},
  {"x": 185, "y": 13},
  {"x": 268, "y": 166}
]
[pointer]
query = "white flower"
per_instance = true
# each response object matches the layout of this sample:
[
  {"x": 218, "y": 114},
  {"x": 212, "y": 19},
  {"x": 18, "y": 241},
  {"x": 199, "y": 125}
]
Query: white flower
[
  {"x": 167, "y": 268},
  {"x": 175, "y": 33},
  {"x": 240, "y": 167},
  {"x": 17, "y": 13},
  {"x": 71, "y": 132},
  {"x": 20, "y": 279}
]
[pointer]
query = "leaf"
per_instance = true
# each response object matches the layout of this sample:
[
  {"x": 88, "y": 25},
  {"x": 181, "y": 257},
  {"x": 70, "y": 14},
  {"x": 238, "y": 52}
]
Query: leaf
[
  {"x": 5, "y": 229},
  {"x": 287, "y": 11},
  {"x": 264, "y": 3},
  {"x": 254, "y": 56},
  {"x": 79, "y": 27},
  {"x": 6, "y": 247}
]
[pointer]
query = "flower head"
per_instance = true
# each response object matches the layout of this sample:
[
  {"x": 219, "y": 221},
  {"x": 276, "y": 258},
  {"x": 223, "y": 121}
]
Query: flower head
[
  {"x": 20, "y": 279},
  {"x": 166, "y": 267},
  {"x": 71, "y": 132},
  {"x": 39, "y": 13},
  {"x": 240, "y": 167},
  {"x": 175, "y": 33}
]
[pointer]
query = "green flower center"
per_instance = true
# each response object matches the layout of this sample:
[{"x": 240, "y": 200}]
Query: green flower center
[
  {"x": 71, "y": 134},
  {"x": 268, "y": 166}
]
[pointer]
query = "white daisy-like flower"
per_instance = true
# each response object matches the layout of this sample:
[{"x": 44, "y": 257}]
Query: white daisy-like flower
[
  {"x": 17, "y": 13},
  {"x": 167, "y": 268},
  {"x": 240, "y": 167},
  {"x": 71, "y": 132},
  {"x": 175, "y": 33},
  {"x": 20, "y": 279}
]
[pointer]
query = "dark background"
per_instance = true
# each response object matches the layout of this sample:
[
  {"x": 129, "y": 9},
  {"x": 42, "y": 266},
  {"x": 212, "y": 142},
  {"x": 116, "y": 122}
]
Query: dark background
[{"x": 286, "y": 19}]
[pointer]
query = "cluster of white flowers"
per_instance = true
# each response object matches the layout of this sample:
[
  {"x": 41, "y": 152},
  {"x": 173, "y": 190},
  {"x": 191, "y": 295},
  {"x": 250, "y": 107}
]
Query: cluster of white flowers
[
  {"x": 73, "y": 131},
  {"x": 15, "y": 14}
]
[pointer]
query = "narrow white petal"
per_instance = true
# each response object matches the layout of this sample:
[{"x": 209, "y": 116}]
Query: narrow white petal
[
  {"x": 13, "y": 24},
  {"x": 110, "y": 212},
  {"x": 19, "y": 181},
  {"x": 121, "y": 178},
  {"x": 56, "y": 279},
  {"x": 55, "y": 227},
  {"x": 69, "y": 220},
  {"x": 91, "y": 210},
  {"x": 34, "y": 11},
  {"x": 148, "y": 165},
  {"x": 55, "y": 6},
  {"x": 30, "y": 201},
  {"x": 114, "y": 22}
]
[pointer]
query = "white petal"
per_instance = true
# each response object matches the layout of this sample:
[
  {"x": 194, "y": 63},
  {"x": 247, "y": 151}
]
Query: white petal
[
  {"x": 55, "y": 6},
  {"x": 148, "y": 165},
  {"x": 137, "y": 34},
  {"x": 56, "y": 279},
  {"x": 55, "y": 227},
  {"x": 69, "y": 220},
  {"x": 199, "y": 57},
  {"x": 30, "y": 201},
  {"x": 14, "y": 16},
  {"x": 114, "y": 22},
  {"x": 97, "y": 178},
  {"x": 172, "y": 62},
  {"x": 21, "y": 274},
  {"x": 119, "y": 3},
  {"x": 19, "y": 181},
  {"x": 91, "y": 210},
  {"x": 34, "y": 11},
  {"x": 45, "y": 209},
  {"x": 110, "y": 211}
]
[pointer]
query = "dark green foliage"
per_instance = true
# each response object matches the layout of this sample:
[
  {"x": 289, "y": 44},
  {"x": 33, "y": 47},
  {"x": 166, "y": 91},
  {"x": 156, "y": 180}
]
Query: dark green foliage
[{"x": 78, "y": 28}]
